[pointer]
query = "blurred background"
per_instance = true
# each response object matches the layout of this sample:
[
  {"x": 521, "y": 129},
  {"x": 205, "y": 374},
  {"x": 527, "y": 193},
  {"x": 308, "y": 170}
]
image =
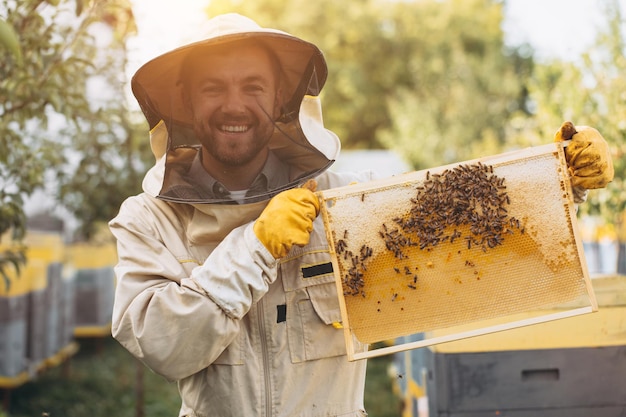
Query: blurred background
[{"x": 412, "y": 84}]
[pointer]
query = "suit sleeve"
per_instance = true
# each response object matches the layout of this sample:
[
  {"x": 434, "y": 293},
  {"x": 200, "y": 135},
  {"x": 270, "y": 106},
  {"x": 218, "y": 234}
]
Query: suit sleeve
[{"x": 175, "y": 317}]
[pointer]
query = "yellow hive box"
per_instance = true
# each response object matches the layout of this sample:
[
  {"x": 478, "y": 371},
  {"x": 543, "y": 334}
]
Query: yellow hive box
[
  {"x": 457, "y": 251},
  {"x": 87, "y": 256}
]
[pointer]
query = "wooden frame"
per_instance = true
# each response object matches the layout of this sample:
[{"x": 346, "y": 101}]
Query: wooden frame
[{"x": 540, "y": 193}]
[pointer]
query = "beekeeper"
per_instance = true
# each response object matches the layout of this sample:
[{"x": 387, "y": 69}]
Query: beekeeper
[{"x": 225, "y": 280}]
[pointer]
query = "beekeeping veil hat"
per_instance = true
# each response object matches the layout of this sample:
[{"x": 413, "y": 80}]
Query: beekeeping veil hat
[{"x": 299, "y": 140}]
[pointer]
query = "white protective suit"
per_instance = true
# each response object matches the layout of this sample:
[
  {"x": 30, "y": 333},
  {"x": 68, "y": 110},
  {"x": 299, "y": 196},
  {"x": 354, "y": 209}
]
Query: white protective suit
[{"x": 199, "y": 299}]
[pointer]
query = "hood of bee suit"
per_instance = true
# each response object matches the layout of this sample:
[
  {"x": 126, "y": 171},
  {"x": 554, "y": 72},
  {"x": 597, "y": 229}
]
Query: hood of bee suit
[{"x": 300, "y": 139}]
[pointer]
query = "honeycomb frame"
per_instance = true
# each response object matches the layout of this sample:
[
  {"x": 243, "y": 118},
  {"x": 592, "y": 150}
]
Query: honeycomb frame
[{"x": 397, "y": 279}]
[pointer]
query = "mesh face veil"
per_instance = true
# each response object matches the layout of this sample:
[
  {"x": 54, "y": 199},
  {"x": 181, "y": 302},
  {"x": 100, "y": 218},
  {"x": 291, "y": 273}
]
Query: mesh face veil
[{"x": 299, "y": 142}]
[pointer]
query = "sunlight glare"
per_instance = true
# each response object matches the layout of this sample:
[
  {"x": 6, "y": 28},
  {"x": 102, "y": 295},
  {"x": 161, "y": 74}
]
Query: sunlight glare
[{"x": 163, "y": 25}]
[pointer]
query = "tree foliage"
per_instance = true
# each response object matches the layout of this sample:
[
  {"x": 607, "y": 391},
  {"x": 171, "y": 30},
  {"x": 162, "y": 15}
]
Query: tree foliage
[
  {"x": 464, "y": 83},
  {"x": 432, "y": 80},
  {"x": 429, "y": 79},
  {"x": 435, "y": 81},
  {"x": 56, "y": 128},
  {"x": 591, "y": 91}
]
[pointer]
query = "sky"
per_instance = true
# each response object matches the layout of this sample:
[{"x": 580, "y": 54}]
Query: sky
[
  {"x": 555, "y": 28},
  {"x": 163, "y": 25}
]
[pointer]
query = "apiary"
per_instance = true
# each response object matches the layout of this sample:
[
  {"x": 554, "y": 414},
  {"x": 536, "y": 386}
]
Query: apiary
[
  {"x": 535, "y": 371},
  {"x": 459, "y": 249},
  {"x": 94, "y": 288}
]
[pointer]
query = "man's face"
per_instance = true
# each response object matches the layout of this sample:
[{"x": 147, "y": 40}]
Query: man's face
[{"x": 234, "y": 99}]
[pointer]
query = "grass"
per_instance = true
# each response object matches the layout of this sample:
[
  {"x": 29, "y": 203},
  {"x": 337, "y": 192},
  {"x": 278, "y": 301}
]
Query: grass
[{"x": 101, "y": 381}]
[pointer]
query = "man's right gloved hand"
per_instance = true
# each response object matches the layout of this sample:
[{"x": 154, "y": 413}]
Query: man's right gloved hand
[{"x": 287, "y": 220}]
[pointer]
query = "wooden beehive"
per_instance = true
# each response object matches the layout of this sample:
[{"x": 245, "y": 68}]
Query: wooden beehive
[{"x": 470, "y": 244}]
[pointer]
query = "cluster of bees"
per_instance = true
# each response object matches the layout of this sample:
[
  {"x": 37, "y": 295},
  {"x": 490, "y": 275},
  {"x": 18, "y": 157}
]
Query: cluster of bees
[
  {"x": 468, "y": 197},
  {"x": 353, "y": 279}
]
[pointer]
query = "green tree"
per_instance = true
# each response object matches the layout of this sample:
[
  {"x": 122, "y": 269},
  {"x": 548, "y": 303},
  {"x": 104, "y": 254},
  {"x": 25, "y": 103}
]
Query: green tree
[
  {"x": 108, "y": 140},
  {"x": 603, "y": 105},
  {"x": 51, "y": 129},
  {"x": 465, "y": 83},
  {"x": 350, "y": 35},
  {"x": 590, "y": 91},
  {"x": 414, "y": 76}
]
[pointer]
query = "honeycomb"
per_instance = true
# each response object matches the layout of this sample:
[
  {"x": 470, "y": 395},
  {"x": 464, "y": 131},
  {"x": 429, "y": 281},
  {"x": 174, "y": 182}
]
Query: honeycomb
[{"x": 403, "y": 272}]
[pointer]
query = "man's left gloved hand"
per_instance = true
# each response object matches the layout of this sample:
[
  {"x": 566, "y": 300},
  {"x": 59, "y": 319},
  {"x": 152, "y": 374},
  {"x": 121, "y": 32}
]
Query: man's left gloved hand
[{"x": 588, "y": 156}]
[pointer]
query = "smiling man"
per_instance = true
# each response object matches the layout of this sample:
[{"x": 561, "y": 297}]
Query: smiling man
[
  {"x": 233, "y": 96},
  {"x": 224, "y": 281}
]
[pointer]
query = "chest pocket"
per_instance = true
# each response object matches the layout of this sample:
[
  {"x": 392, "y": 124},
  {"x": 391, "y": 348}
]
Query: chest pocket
[{"x": 312, "y": 303}]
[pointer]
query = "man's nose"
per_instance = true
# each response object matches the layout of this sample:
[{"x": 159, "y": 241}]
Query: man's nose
[{"x": 234, "y": 102}]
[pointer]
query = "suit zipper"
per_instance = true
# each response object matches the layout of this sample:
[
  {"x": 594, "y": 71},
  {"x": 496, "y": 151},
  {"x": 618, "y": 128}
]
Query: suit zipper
[{"x": 266, "y": 360}]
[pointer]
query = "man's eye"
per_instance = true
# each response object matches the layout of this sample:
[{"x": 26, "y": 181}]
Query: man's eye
[
  {"x": 254, "y": 88},
  {"x": 211, "y": 89}
]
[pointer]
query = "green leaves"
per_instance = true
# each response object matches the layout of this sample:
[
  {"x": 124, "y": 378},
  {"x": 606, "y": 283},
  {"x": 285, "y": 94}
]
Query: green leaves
[
  {"x": 587, "y": 91},
  {"x": 51, "y": 116},
  {"x": 14, "y": 257},
  {"x": 10, "y": 41},
  {"x": 414, "y": 76}
]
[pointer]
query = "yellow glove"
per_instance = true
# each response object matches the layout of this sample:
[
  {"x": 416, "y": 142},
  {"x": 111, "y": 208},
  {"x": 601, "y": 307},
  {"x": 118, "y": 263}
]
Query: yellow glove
[
  {"x": 588, "y": 156},
  {"x": 287, "y": 220}
]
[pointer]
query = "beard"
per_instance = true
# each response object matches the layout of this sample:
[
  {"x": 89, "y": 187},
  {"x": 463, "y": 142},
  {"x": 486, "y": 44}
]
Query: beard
[{"x": 235, "y": 152}]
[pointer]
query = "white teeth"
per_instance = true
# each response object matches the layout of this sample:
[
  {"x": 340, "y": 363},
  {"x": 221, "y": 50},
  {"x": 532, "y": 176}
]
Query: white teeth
[{"x": 234, "y": 129}]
